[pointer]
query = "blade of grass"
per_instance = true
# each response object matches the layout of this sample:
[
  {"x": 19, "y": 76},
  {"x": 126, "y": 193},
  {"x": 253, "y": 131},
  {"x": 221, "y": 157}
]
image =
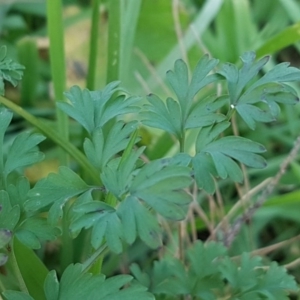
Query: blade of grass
[
  {"x": 90, "y": 82},
  {"x": 28, "y": 57},
  {"x": 130, "y": 13},
  {"x": 201, "y": 22},
  {"x": 286, "y": 37},
  {"x": 292, "y": 8},
  {"x": 31, "y": 268},
  {"x": 114, "y": 36},
  {"x": 57, "y": 62}
]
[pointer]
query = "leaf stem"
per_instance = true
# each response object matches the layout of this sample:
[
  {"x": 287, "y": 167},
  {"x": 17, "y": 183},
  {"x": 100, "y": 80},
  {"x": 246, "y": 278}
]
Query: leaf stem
[
  {"x": 180, "y": 224},
  {"x": 67, "y": 249}
]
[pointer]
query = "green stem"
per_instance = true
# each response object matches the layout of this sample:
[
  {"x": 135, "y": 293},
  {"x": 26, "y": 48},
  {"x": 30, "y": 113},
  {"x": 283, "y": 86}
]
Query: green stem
[
  {"x": 130, "y": 14},
  {"x": 57, "y": 62},
  {"x": 180, "y": 239},
  {"x": 230, "y": 113},
  {"x": 114, "y": 36},
  {"x": 90, "y": 83},
  {"x": 182, "y": 142},
  {"x": 67, "y": 251}
]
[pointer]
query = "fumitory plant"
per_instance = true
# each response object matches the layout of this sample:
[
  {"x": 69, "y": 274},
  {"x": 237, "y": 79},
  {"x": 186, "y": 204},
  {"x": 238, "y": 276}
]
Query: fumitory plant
[{"x": 122, "y": 197}]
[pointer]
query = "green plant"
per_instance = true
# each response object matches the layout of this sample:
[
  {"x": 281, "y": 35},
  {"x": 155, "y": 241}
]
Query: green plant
[{"x": 130, "y": 198}]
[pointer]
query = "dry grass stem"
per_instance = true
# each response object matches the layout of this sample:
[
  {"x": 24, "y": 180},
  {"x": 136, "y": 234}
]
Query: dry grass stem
[
  {"x": 263, "y": 197},
  {"x": 152, "y": 70}
]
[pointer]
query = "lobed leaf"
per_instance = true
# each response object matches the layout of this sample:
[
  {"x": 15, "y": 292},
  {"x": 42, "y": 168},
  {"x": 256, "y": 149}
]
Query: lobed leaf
[
  {"x": 209, "y": 134},
  {"x": 158, "y": 115},
  {"x": 18, "y": 192},
  {"x": 55, "y": 190},
  {"x": 33, "y": 230},
  {"x": 94, "y": 109},
  {"x": 75, "y": 284},
  {"x": 23, "y": 152},
  {"x": 204, "y": 112},
  {"x": 184, "y": 91},
  {"x": 101, "y": 149},
  {"x": 269, "y": 89},
  {"x": 9, "y": 70},
  {"x": 177, "y": 116},
  {"x": 204, "y": 171},
  {"x": 9, "y": 215},
  {"x": 117, "y": 175},
  {"x": 241, "y": 149},
  {"x": 217, "y": 157},
  {"x": 137, "y": 220},
  {"x": 244, "y": 277},
  {"x": 5, "y": 119},
  {"x": 161, "y": 187}
]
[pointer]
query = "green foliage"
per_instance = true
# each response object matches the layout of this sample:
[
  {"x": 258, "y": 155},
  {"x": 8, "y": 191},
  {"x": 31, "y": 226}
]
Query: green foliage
[
  {"x": 74, "y": 284},
  {"x": 94, "y": 109},
  {"x": 133, "y": 195},
  {"x": 176, "y": 116},
  {"x": 9, "y": 70},
  {"x": 269, "y": 89},
  {"x": 208, "y": 273}
]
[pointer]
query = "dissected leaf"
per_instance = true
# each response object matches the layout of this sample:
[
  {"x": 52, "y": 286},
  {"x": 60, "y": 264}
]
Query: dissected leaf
[
  {"x": 161, "y": 187},
  {"x": 209, "y": 134},
  {"x": 18, "y": 192},
  {"x": 75, "y": 284},
  {"x": 276, "y": 283},
  {"x": 217, "y": 157},
  {"x": 158, "y": 115},
  {"x": 94, "y": 109},
  {"x": 34, "y": 230},
  {"x": 204, "y": 112},
  {"x": 131, "y": 219},
  {"x": 5, "y": 119},
  {"x": 105, "y": 222},
  {"x": 137, "y": 220},
  {"x": 9, "y": 215},
  {"x": 242, "y": 277},
  {"x": 117, "y": 176},
  {"x": 101, "y": 149},
  {"x": 23, "y": 152},
  {"x": 249, "y": 279},
  {"x": 199, "y": 277},
  {"x": 9, "y": 70},
  {"x": 177, "y": 116},
  {"x": 239, "y": 148},
  {"x": 184, "y": 91},
  {"x": 269, "y": 89},
  {"x": 204, "y": 171},
  {"x": 56, "y": 189}
]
